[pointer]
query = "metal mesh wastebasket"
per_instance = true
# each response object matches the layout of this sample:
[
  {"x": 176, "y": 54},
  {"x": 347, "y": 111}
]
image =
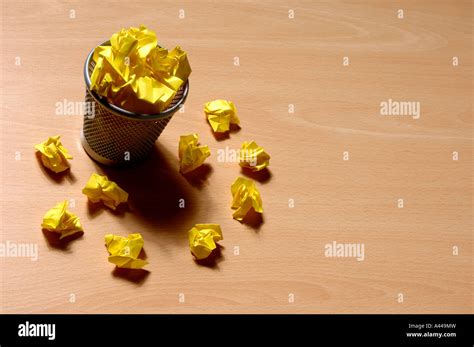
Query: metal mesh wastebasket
[{"x": 112, "y": 135}]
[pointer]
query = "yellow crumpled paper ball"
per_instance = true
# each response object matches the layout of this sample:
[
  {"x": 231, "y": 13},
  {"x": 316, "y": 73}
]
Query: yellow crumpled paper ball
[
  {"x": 124, "y": 251},
  {"x": 136, "y": 75},
  {"x": 191, "y": 156},
  {"x": 53, "y": 154},
  {"x": 99, "y": 188},
  {"x": 202, "y": 239},
  {"x": 245, "y": 197},
  {"x": 220, "y": 114},
  {"x": 60, "y": 220},
  {"x": 253, "y": 157}
]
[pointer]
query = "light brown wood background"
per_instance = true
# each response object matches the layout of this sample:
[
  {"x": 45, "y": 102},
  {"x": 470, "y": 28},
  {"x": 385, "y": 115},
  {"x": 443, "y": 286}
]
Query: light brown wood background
[{"x": 282, "y": 61}]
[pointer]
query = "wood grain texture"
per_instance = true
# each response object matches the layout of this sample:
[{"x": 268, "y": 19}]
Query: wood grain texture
[{"x": 282, "y": 61}]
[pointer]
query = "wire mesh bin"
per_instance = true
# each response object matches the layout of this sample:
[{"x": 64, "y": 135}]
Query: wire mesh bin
[{"x": 112, "y": 135}]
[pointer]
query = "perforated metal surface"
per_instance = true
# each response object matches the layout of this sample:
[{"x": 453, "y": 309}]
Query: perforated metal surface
[{"x": 113, "y": 138}]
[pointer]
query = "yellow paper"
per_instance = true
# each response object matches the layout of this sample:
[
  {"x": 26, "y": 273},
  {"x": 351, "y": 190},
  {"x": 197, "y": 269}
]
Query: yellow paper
[
  {"x": 191, "y": 156},
  {"x": 53, "y": 154},
  {"x": 124, "y": 251},
  {"x": 135, "y": 74},
  {"x": 253, "y": 157},
  {"x": 220, "y": 114},
  {"x": 202, "y": 239},
  {"x": 61, "y": 221},
  {"x": 245, "y": 197},
  {"x": 99, "y": 188}
]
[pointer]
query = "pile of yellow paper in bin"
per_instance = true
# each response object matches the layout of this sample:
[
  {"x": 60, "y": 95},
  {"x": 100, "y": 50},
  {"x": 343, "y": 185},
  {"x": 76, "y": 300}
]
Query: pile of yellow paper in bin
[
  {"x": 136, "y": 74},
  {"x": 146, "y": 84}
]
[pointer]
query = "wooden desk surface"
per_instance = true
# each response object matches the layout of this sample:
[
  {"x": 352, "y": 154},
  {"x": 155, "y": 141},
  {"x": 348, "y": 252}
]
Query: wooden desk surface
[{"x": 281, "y": 266}]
